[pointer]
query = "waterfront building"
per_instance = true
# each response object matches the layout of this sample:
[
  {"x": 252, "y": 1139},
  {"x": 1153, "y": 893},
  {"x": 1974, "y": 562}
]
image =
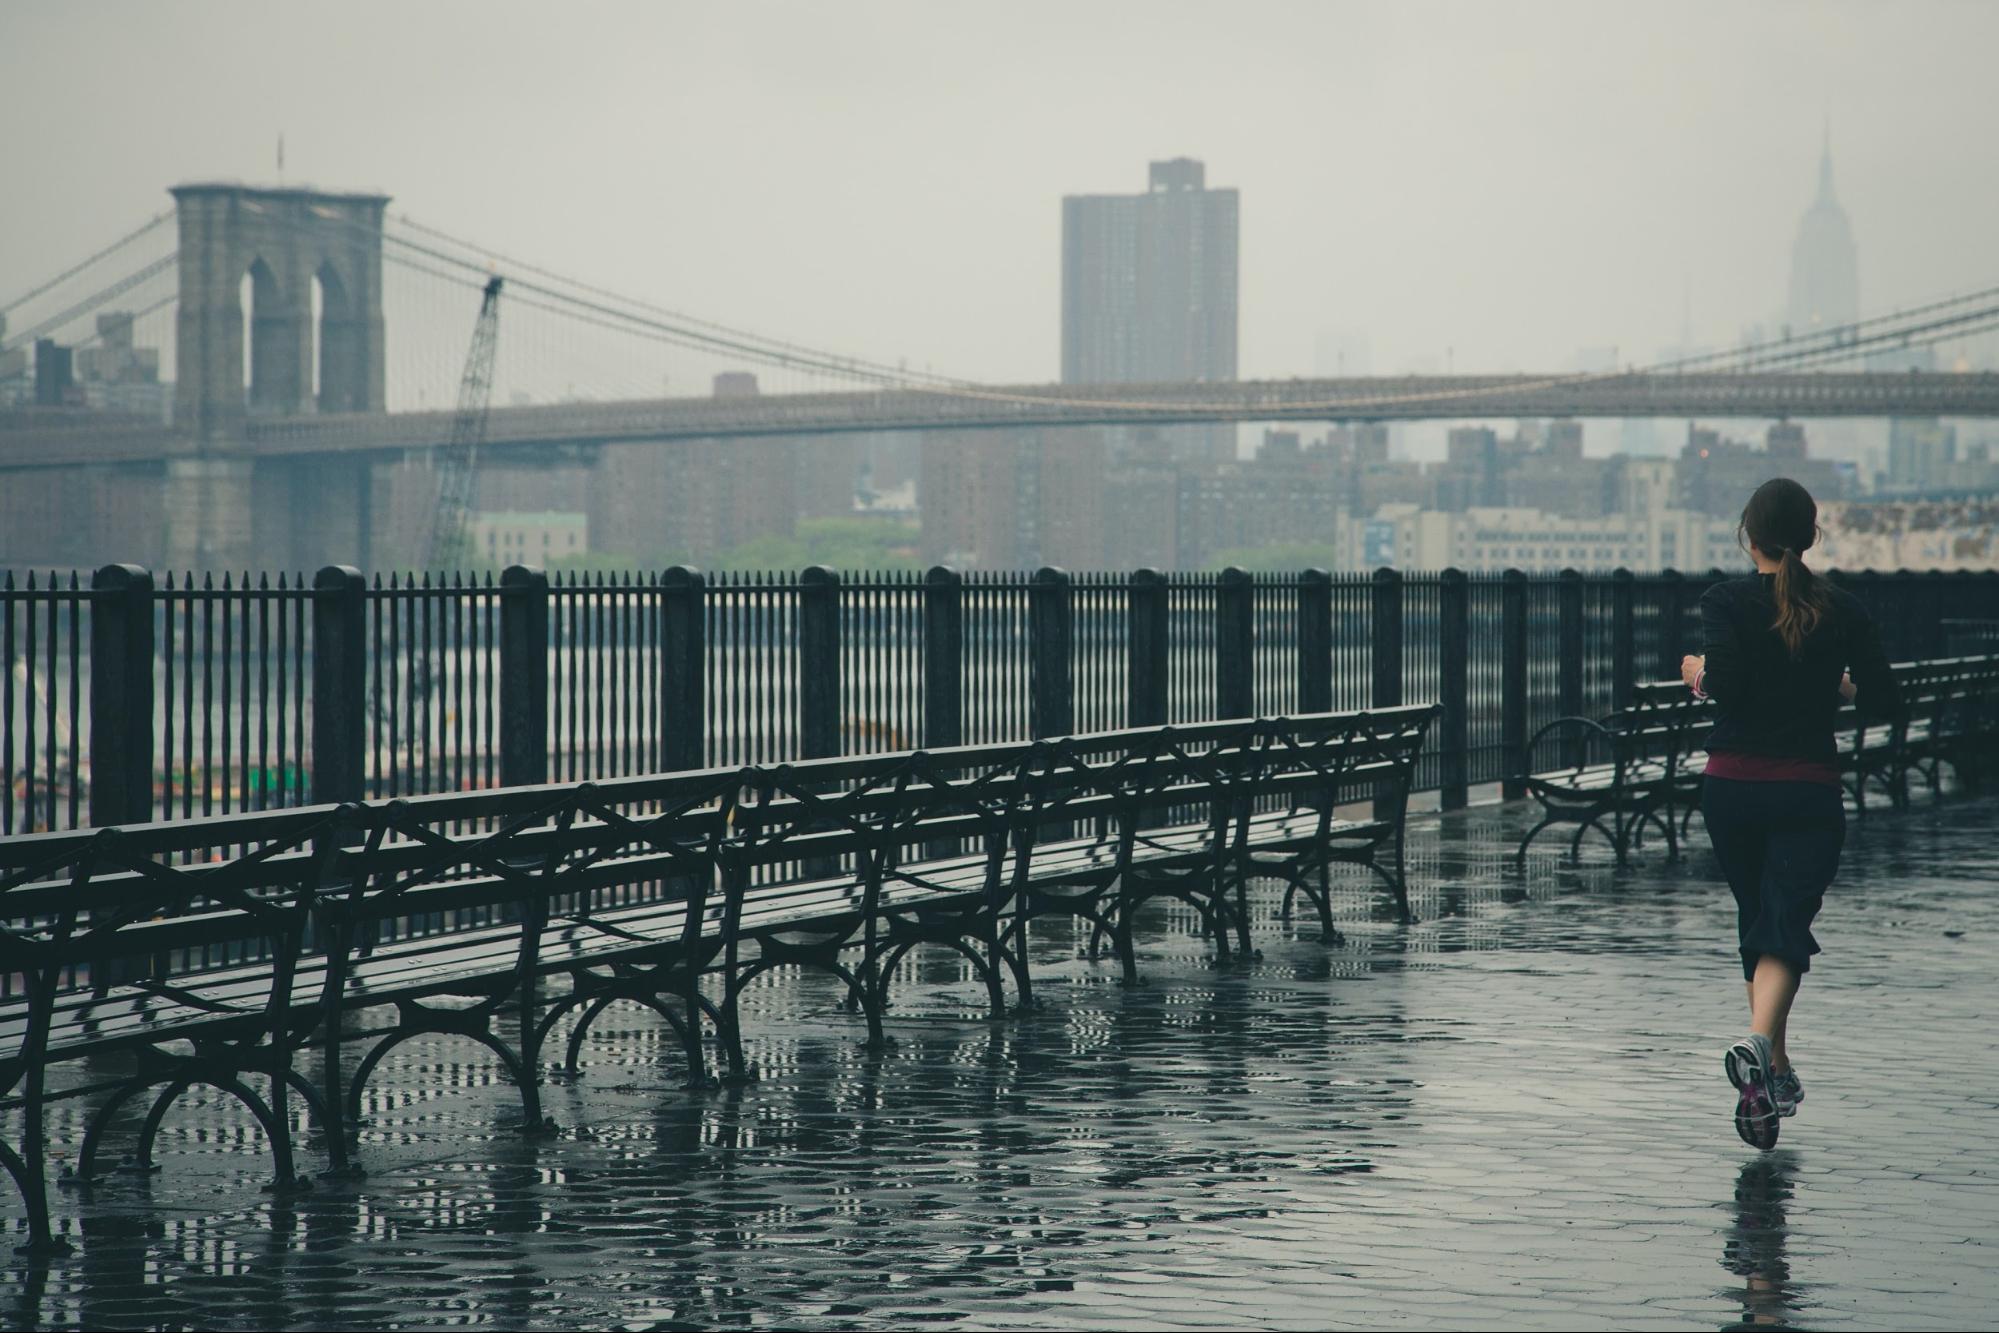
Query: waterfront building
[{"x": 1012, "y": 499}]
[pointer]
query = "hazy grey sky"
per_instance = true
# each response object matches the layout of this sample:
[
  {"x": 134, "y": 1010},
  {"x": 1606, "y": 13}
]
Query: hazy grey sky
[{"x": 1509, "y": 181}]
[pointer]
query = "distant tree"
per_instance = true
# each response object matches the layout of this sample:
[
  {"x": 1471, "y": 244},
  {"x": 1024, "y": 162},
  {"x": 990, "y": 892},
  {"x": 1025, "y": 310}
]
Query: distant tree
[
  {"x": 841, "y": 543},
  {"x": 1286, "y": 557}
]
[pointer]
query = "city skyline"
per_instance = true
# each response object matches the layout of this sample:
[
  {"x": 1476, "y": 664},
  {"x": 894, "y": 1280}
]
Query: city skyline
[{"x": 1407, "y": 228}]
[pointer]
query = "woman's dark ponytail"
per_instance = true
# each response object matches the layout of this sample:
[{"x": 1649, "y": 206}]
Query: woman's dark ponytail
[{"x": 1782, "y": 521}]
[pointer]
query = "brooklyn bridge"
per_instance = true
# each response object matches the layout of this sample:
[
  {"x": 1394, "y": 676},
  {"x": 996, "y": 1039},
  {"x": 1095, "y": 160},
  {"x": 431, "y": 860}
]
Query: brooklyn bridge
[{"x": 284, "y": 413}]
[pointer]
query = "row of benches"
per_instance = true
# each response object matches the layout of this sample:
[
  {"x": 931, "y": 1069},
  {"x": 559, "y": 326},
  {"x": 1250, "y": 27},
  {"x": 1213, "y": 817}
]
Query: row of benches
[
  {"x": 673, "y": 892},
  {"x": 1641, "y": 766}
]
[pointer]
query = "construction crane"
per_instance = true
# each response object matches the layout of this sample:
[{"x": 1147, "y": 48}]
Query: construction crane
[{"x": 444, "y": 532}]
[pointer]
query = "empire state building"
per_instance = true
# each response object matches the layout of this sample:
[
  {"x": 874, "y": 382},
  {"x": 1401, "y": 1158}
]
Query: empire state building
[{"x": 1825, "y": 280}]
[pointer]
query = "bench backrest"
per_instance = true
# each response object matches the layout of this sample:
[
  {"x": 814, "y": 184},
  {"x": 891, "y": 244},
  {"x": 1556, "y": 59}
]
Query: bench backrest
[
  {"x": 85, "y": 907},
  {"x": 1320, "y": 761}
]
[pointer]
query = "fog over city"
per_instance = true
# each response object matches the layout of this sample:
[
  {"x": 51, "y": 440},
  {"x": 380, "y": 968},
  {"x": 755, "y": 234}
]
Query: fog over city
[
  {"x": 1069, "y": 240},
  {"x": 1489, "y": 187},
  {"x": 867, "y": 664}
]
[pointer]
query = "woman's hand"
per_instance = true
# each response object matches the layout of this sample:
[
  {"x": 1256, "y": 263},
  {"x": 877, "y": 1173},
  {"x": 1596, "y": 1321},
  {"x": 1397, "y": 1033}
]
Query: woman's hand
[
  {"x": 1847, "y": 689},
  {"x": 1691, "y": 668}
]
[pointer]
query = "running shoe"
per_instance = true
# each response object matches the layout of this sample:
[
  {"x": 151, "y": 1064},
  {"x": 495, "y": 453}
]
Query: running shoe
[
  {"x": 1788, "y": 1091},
  {"x": 1748, "y": 1065}
]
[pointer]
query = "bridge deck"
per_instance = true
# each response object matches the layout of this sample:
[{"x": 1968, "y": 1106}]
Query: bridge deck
[{"x": 1459, "y": 397}]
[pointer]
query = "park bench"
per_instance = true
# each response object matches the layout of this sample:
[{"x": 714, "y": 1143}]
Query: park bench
[
  {"x": 91, "y": 920},
  {"x": 1952, "y": 717},
  {"x": 1306, "y": 819},
  {"x": 112, "y": 935},
  {"x": 1194, "y": 812},
  {"x": 1642, "y": 766},
  {"x": 1627, "y": 767},
  {"x": 214, "y": 950}
]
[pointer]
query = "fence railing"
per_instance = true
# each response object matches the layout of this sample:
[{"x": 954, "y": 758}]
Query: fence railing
[
  {"x": 1967, "y": 637},
  {"x": 127, "y": 699}
]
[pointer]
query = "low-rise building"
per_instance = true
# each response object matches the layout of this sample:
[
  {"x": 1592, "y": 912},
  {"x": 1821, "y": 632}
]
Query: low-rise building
[
  {"x": 1486, "y": 538},
  {"x": 514, "y": 538}
]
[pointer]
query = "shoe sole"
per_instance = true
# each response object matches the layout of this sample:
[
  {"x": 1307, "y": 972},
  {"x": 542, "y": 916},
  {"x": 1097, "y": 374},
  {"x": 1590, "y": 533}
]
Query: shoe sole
[{"x": 1752, "y": 1080}]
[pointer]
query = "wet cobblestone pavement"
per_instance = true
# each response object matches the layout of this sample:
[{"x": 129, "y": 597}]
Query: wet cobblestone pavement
[{"x": 1510, "y": 1115}]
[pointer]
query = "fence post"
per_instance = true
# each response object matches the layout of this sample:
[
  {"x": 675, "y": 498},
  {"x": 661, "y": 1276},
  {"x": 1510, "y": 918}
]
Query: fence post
[
  {"x": 1623, "y": 642},
  {"x": 1386, "y": 688},
  {"x": 1315, "y": 641},
  {"x": 1050, "y": 622},
  {"x": 1569, "y": 622},
  {"x": 523, "y": 676},
  {"x": 1570, "y": 593},
  {"x": 1672, "y": 645},
  {"x": 943, "y": 658},
  {"x": 121, "y": 696},
  {"x": 1453, "y": 685},
  {"x": 1909, "y": 614},
  {"x": 339, "y": 684},
  {"x": 819, "y": 663},
  {"x": 683, "y": 658},
  {"x": 1513, "y": 680},
  {"x": 1235, "y": 645},
  {"x": 1866, "y": 585},
  {"x": 1146, "y": 649},
  {"x": 1936, "y": 600},
  {"x": 1386, "y": 613}
]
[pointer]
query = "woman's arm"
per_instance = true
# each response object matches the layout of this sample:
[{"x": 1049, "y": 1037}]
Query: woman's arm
[
  {"x": 1721, "y": 671},
  {"x": 1875, "y": 691}
]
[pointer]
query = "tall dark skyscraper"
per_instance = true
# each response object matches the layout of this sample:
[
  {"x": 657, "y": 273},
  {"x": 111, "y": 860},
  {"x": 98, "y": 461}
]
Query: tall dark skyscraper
[
  {"x": 1149, "y": 291},
  {"x": 1825, "y": 278}
]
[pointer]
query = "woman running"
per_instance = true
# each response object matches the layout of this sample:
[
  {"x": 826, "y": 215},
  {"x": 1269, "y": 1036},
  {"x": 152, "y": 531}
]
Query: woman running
[{"x": 1782, "y": 647}]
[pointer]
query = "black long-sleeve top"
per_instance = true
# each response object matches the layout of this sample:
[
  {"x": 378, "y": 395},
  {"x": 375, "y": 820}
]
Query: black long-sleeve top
[{"x": 1771, "y": 703}]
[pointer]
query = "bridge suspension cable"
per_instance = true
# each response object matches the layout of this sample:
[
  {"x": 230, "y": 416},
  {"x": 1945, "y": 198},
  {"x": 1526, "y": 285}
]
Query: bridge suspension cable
[
  {"x": 607, "y": 317},
  {"x": 97, "y": 298},
  {"x": 68, "y": 273},
  {"x": 677, "y": 316},
  {"x": 1839, "y": 339},
  {"x": 771, "y": 352}
]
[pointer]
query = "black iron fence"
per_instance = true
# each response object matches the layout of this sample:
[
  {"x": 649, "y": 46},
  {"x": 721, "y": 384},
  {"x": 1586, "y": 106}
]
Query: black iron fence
[
  {"x": 1965, "y": 637},
  {"x": 127, "y": 699}
]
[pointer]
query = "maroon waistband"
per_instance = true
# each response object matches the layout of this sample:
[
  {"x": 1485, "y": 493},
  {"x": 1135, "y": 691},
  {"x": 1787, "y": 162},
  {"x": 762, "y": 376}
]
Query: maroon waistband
[{"x": 1736, "y": 766}]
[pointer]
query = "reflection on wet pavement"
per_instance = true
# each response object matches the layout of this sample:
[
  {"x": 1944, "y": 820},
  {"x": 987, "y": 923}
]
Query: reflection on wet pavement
[
  {"x": 1754, "y": 1248},
  {"x": 1511, "y": 1114}
]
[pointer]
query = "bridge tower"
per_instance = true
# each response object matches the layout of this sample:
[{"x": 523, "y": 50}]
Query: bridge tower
[
  {"x": 310, "y": 265},
  {"x": 287, "y": 242}
]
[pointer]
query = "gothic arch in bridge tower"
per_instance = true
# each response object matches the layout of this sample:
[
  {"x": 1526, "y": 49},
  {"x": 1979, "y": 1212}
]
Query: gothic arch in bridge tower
[
  {"x": 342, "y": 342},
  {"x": 275, "y": 342},
  {"x": 288, "y": 251}
]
